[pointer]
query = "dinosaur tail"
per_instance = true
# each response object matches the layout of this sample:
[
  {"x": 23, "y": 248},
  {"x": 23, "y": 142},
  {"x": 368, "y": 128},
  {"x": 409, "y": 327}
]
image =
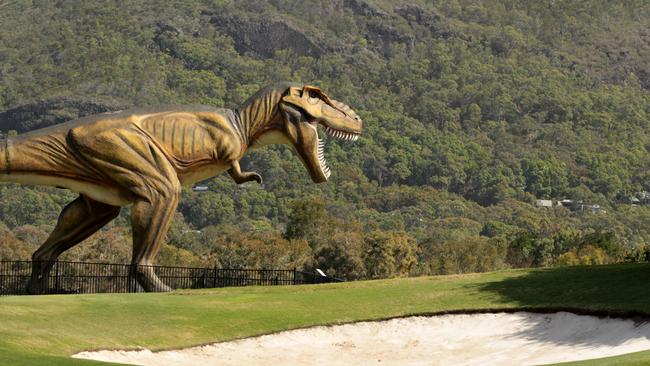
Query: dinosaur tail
[
  {"x": 40, "y": 159},
  {"x": 20, "y": 156}
]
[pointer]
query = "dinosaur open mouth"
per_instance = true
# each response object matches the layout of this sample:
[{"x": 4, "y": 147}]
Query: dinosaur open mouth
[{"x": 339, "y": 134}]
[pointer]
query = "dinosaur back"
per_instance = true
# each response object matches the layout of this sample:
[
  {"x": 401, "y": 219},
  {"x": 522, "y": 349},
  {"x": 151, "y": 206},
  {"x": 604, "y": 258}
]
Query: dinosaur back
[{"x": 67, "y": 126}]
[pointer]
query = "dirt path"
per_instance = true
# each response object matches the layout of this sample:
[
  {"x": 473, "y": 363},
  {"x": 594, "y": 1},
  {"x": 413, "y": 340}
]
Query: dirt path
[{"x": 478, "y": 339}]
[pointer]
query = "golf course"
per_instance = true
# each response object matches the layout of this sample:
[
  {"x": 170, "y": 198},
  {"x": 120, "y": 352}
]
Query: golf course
[{"x": 47, "y": 330}]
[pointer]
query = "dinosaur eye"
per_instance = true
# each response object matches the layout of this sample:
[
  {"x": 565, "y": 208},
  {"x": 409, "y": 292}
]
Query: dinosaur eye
[{"x": 313, "y": 98}]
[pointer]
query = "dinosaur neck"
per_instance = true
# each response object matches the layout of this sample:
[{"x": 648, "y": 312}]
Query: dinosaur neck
[{"x": 260, "y": 112}]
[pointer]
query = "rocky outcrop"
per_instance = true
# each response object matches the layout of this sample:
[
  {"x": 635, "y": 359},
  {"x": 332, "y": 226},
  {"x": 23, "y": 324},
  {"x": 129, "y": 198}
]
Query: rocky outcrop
[
  {"x": 170, "y": 39},
  {"x": 262, "y": 37},
  {"x": 428, "y": 19},
  {"x": 381, "y": 35},
  {"x": 362, "y": 7},
  {"x": 165, "y": 38},
  {"x": 381, "y": 32},
  {"x": 49, "y": 112}
]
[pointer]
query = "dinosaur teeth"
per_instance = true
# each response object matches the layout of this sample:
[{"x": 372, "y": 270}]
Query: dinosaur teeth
[
  {"x": 321, "y": 157},
  {"x": 343, "y": 135}
]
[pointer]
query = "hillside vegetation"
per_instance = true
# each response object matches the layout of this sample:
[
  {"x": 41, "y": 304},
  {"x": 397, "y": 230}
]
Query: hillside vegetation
[{"x": 472, "y": 111}]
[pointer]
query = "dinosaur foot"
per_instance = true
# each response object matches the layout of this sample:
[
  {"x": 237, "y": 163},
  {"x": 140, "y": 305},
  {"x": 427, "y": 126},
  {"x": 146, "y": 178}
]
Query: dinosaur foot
[
  {"x": 39, "y": 281},
  {"x": 37, "y": 287},
  {"x": 146, "y": 278}
]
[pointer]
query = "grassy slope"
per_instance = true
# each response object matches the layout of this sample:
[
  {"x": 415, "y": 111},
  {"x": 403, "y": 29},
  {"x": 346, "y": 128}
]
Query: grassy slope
[{"x": 43, "y": 330}]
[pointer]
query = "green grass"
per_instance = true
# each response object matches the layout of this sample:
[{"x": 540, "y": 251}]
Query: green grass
[{"x": 45, "y": 330}]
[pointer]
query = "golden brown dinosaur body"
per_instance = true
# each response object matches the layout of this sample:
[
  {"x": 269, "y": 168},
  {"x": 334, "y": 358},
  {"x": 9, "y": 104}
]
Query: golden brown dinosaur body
[
  {"x": 143, "y": 157},
  {"x": 193, "y": 144}
]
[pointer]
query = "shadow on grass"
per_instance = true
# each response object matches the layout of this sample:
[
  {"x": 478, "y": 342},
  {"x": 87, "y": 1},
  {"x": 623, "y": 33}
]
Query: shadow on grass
[{"x": 620, "y": 291}]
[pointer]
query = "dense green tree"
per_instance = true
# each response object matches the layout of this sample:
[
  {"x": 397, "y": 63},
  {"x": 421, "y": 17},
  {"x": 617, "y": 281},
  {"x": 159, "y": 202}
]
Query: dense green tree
[
  {"x": 13, "y": 248},
  {"x": 308, "y": 220},
  {"x": 341, "y": 256},
  {"x": 207, "y": 208}
]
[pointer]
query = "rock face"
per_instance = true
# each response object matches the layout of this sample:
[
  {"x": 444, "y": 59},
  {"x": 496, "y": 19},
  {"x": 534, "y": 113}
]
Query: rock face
[
  {"x": 165, "y": 39},
  {"x": 382, "y": 35},
  {"x": 262, "y": 37},
  {"x": 49, "y": 112},
  {"x": 380, "y": 25},
  {"x": 362, "y": 7},
  {"x": 430, "y": 20}
]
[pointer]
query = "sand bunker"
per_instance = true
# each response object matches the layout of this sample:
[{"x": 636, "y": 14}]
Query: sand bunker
[{"x": 479, "y": 339}]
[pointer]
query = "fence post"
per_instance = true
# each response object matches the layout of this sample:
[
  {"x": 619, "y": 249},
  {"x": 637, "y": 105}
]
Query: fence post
[
  {"x": 56, "y": 278},
  {"x": 294, "y": 275},
  {"x": 133, "y": 269},
  {"x": 214, "y": 281}
]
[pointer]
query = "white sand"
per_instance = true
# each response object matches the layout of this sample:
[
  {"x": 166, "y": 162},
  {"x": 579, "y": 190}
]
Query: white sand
[{"x": 479, "y": 339}]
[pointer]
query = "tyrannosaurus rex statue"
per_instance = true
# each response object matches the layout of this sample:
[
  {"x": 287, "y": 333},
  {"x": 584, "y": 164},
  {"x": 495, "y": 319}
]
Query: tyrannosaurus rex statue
[{"x": 143, "y": 157}]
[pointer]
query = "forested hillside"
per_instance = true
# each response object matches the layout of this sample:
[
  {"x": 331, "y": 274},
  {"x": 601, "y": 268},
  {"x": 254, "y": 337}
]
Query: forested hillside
[{"x": 472, "y": 111}]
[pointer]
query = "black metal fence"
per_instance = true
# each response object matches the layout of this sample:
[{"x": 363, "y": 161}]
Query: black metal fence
[{"x": 85, "y": 278}]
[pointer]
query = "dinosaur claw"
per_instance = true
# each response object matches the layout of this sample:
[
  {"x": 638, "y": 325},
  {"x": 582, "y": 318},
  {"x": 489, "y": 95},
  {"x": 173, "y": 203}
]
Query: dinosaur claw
[{"x": 258, "y": 178}]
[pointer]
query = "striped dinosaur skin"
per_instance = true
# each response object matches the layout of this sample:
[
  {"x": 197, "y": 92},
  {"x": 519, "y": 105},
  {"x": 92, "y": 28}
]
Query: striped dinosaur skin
[{"x": 142, "y": 157}]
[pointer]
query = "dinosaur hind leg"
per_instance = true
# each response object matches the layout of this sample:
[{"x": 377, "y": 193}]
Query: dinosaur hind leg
[
  {"x": 137, "y": 165},
  {"x": 78, "y": 220},
  {"x": 150, "y": 221}
]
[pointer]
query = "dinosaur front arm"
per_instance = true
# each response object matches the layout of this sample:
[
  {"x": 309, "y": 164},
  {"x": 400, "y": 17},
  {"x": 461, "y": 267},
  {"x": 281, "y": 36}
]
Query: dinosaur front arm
[{"x": 242, "y": 177}]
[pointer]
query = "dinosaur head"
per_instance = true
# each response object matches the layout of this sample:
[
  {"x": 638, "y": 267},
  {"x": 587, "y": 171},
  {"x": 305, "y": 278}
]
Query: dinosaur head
[{"x": 302, "y": 110}]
